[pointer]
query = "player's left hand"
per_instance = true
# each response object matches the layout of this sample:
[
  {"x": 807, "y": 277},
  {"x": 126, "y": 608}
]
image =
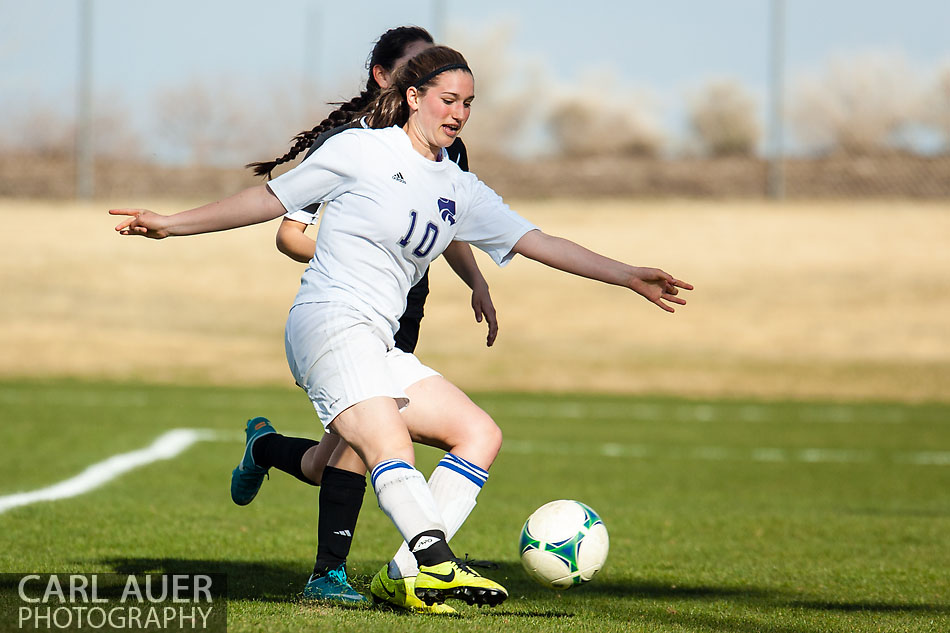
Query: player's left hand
[
  {"x": 658, "y": 287},
  {"x": 483, "y": 307}
]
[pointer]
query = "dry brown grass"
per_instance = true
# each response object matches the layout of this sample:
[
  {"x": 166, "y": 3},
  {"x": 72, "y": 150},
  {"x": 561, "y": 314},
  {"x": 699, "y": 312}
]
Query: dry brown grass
[{"x": 840, "y": 300}]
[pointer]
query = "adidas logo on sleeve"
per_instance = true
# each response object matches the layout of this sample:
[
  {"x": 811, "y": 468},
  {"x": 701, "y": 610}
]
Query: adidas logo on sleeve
[{"x": 398, "y": 177}]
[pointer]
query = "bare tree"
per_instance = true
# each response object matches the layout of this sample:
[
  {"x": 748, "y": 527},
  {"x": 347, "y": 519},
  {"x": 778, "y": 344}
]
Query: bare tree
[
  {"x": 37, "y": 128},
  {"x": 511, "y": 90},
  {"x": 617, "y": 121},
  {"x": 198, "y": 120},
  {"x": 860, "y": 105},
  {"x": 114, "y": 133},
  {"x": 723, "y": 119},
  {"x": 218, "y": 122}
]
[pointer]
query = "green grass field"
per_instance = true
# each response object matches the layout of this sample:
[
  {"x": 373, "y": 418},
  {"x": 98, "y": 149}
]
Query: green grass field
[{"x": 723, "y": 515}]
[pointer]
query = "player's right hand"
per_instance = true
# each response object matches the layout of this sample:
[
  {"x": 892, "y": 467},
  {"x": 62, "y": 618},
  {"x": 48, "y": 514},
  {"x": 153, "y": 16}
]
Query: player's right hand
[
  {"x": 483, "y": 307},
  {"x": 141, "y": 222}
]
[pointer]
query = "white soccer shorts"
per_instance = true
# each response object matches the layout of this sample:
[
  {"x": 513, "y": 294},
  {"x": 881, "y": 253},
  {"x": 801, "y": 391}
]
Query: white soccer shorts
[{"x": 340, "y": 358}]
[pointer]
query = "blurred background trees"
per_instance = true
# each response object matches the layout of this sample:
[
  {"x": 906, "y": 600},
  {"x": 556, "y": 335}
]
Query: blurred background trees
[
  {"x": 724, "y": 119},
  {"x": 846, "y": 124}
]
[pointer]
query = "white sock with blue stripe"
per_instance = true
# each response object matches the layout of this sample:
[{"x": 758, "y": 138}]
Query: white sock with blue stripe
[
  {"x": 404, "y": 496},
  {"x": 455, "y": 484}
]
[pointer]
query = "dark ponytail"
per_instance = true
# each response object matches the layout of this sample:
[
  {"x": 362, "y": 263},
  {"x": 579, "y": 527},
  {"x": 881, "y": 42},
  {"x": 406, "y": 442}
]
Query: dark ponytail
[
  {"x": 390, "y": 107},
  {"x": 345, "y": 113},
  {"x": 390, "y": 46}
]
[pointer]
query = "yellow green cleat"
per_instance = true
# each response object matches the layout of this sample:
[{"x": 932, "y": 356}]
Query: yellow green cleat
[
  {"x": 399, "y": 593},
  {"x": 455, "y": 579}
]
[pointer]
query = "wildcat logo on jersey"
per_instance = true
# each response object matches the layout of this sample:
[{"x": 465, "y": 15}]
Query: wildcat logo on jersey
[{"x": 447, "y": 210}]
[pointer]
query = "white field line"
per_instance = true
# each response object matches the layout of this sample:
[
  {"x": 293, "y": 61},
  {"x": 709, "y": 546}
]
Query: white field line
[
  {"x": 722, "y": 453},
  {"x": 173, "y": 443},
  {"x": 644, "y": 412},
  {"x": 167, "y": 446},
  {"x": 692, "y": 413}
]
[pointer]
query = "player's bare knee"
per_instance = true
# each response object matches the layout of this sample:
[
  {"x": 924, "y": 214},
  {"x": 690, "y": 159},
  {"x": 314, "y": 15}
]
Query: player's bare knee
[
  {"x": 493, "y": 438},
  {"x": 313, "y": 471},
  {"x": 313, "y": 462},
  {"x": 480, "y": 442}
]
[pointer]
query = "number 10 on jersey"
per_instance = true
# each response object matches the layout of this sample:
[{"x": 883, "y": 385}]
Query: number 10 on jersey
[{"x": 428, "y": 236}]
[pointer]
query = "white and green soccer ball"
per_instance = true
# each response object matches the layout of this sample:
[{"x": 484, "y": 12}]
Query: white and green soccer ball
[{"x": 563, "y": 544}]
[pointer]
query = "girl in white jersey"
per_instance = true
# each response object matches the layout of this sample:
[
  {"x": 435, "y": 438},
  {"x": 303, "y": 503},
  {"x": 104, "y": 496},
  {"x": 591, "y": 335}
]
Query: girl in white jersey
[
  {"x": 393, "y": 205},
  {"x": 342, "y": 485}
]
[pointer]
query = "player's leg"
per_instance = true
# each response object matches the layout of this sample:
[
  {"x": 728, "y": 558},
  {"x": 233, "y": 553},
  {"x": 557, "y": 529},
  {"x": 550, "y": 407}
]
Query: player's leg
[
  {"x": 264, "y": 449},
  {"x": 473, "y": 440},
  {"x": 441, "y": 415},
  {"x": 340, "y": 360},
  {"x": 378, "y": 434},
  {"x": 446, "y": 418},
  {"x": 341, "y": 497},
  {"x": 315, "y": 460}
]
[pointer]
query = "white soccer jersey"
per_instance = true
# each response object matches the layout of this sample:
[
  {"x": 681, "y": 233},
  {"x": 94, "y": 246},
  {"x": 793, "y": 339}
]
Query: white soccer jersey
[
  {"x": 389, "y": 212},
  {"x": 310, "y": 215}
]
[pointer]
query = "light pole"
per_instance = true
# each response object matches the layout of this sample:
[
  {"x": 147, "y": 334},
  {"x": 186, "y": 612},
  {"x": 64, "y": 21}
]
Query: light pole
[
  {"x": 85, "y": 156},
  {"x": 776, "y": 161}
]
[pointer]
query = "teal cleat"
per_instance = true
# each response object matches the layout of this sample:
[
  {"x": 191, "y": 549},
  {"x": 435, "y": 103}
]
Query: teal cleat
[
  {"x": 332, "y": 587},
  {"x": 247, "y": 478}
]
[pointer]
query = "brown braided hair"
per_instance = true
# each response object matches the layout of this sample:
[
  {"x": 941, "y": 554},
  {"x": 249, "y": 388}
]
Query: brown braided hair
[
  {"x": 390, "y": 46},
  {"x": 390, "y": 107}
]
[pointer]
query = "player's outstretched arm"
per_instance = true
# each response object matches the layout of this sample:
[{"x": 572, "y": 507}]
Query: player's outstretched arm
[
  {"x": 251, "y": 206},
  {"x": 293, "y": 242},
  {"x": 460, "y": 258},
  {"x": 653, "y": 284}
]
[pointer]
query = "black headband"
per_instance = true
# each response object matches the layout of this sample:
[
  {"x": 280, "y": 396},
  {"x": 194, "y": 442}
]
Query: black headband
[{"x": 438, "y": 71}]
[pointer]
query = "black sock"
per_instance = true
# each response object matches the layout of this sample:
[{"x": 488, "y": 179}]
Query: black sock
[
  {"x": 341, "y": 497},
  {"x": 434, "y": 549},
  {"x": 283, "y": 453}
]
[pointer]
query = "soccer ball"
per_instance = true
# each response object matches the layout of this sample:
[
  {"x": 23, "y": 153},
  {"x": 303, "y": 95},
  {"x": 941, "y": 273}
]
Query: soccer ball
[{"x": 563, "y": 543}]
